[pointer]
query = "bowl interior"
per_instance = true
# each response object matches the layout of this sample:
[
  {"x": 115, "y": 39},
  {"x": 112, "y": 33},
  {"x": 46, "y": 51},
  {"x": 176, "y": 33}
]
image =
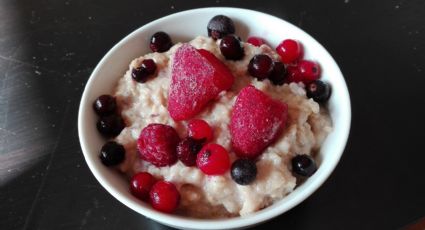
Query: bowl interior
[{"x": 183, "y": 27}]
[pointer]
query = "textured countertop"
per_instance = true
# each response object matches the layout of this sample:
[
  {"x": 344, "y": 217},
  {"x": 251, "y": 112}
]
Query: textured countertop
[{"x": 48, "y": 49}]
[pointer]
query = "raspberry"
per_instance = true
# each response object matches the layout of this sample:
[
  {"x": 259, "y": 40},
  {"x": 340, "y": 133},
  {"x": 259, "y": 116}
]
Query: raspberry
[
  {"x": 197, "y": 77},
  {"x": 213, "y": 159},
  {"x": 199, "y": 129},
  {"x": 289, "y": 50},
  {"x": 157, "y": 144},
  {"x": 188, "y": 149},
  {"x": 256, "y": 121},
  {"x": 141, "y": 184},
  {"x": 164, "y": 197}
]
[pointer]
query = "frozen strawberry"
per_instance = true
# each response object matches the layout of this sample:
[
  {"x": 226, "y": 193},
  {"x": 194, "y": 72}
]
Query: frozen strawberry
[
  {"x": 256, "y": 121},
  {"x": 157, "y": 144},
  {"x": 197, "y": 77}
]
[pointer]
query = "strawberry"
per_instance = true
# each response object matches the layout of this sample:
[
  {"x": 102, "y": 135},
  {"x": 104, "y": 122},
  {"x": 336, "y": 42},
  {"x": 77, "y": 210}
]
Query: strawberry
[
  {"x": 197, "y": 77},
  {"x": 256, "y": 121}
]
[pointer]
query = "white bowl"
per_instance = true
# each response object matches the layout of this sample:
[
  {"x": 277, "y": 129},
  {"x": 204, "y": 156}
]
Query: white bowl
[{"x": 185, "y": 26}]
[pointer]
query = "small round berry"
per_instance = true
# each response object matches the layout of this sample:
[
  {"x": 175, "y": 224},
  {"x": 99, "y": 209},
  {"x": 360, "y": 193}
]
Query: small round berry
[
  {"x": 303, "y": 165},
  {"x": 160, "y": 42},
  {"x": 309, "y": 70},
  {"x": 278, "y": 75},
  {"x": 293, "y": 74},
  {"x": 110, "y": 126},
  {"x": 231, "y": 48},
  {"x": 199, "y": 129},
  {"x": 105, "y": 105},
  {"x": 187, "y": 150},
  {"x": 112, "y": 153},
  {"x": 243, "y": 171},
  {"x": 256, "y": 41},
  {"x": 289, "y": 50},
  {"x": 213, "y": 159},
  {"x": 220, "y": 26},
  {"x": 164, "y": 197},
  {"x": 142, "y": 73},
  {"x": 260, "y": 66},
  {"x": 318, "y": 90},
  {"x": 141, "y": 184}
]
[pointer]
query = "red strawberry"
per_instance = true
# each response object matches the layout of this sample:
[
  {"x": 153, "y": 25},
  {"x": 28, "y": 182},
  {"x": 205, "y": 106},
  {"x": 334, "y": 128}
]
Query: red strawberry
[
  {"x": 197, "y": 77},
  {"x": 256, "y": 121}
]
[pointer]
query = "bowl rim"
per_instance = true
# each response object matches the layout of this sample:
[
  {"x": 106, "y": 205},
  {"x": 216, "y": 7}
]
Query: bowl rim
[{"x": 187, "y": 222}]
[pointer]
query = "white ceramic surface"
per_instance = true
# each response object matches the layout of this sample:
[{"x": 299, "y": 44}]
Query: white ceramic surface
[{"x": 182, "y": 27}]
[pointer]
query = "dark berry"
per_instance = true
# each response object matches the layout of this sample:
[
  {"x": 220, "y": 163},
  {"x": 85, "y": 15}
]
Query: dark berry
[
  {"x": 199, "y": 129},
  {"x": 256, "y": 41},
  {"x": 213, "y": 159},
  {"x": 260, "y": 66},
  {"x": 164, "y": 197},
  {"x": 220, "y": 26},
  {"x": 142, "y": 73},
  {"x": 160, "y": 42},
  {"x": 243, "y": 171},
  {"x": 104, "y": 105},
  {"x": 157, "y": 144},
  {"x": 289, "y": 51},
  {"x": 112, "y": 153},
  {"x": 303, "y": 165},
  {"x": 309, "y": 70},
  {"x": 231, "y": 47},
  {"x": 187, "y": 150},
  {"x": 110, "y": 126},
  {"x": 318, "y": 90},
  {"x": 141, "y": 184},
  {"x": 278, "y": 75}
]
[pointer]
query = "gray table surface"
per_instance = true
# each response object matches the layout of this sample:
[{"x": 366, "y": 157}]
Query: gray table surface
[{"x": 48, "y": 48}]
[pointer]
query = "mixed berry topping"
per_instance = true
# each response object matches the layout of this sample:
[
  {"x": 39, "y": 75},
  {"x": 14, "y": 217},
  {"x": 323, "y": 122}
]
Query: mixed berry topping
[
  {"x": 289, "y": 51},
  {"x": 164, "y": 197},
  {"x": 256, "y": 120},
  {"x": 243, "y": 171},
  {"x": 318, "y": 90},
  {"x": 206, "y": 75},
  {"x": 110, "y": 126},
  {"x": 160, "y": 42},
  {"x": 141, "y": 184},
  {"x": 157, "y": 144},
  {"x": 104, "y": 105},
  {"x": 260, "y": 66},
  {"x": 219, "y": 26},
  {"x": 309, "y": 70},
  {"x": 199, "y": 129},
  {"x": 303, "y": 165},
  {"x": 112, "y": 153},
  {"x": 231, "y": 47},
  {"x": 256, "y": 41},
  {"x": 213, "y": 159},
  {"x": 142, "y": 73},
  {"x": 187, "y": 150},
  {"x": 278, "y": 74}
]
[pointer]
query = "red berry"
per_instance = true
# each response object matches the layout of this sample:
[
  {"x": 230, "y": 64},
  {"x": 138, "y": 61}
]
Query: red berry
[
  {"x": 197, "y": 77},
  {"x": 309, "y": 70},
  {"x": 199, "y": 129},
  {"x": 260, "y": 66},
  {"x": 164, "y": 196},
  {"x": 157, "y": 144},
  {"x": 293, "y": 74},
  {"x": 140, "y": 185},
  {"x": 213, "y": 159},
  {"x": 256, "y": 121},
  {"x": 188, "y": 149},
  {"x": 289, "y": 50},
  {"x": 160, "y": 42},
  {"x": 256, "y": 41}
]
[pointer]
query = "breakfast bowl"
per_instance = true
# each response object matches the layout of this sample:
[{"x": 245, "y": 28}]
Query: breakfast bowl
[{"x": 183, "y": 27}]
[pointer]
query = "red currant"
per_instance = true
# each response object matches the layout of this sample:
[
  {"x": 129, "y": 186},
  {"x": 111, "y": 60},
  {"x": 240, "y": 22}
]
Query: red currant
[
  {"x": 140, "y": 185},
  {"x": 164, "y": 196},
  {"x": 256, "y": 41},
  {"x": 199, "y": 129},
  {"x": 293, "y": 74},
  {"x": 309, "y": 70},
  {"x": 289, "y": 50},
  {"x": 213, "y": 159}
]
